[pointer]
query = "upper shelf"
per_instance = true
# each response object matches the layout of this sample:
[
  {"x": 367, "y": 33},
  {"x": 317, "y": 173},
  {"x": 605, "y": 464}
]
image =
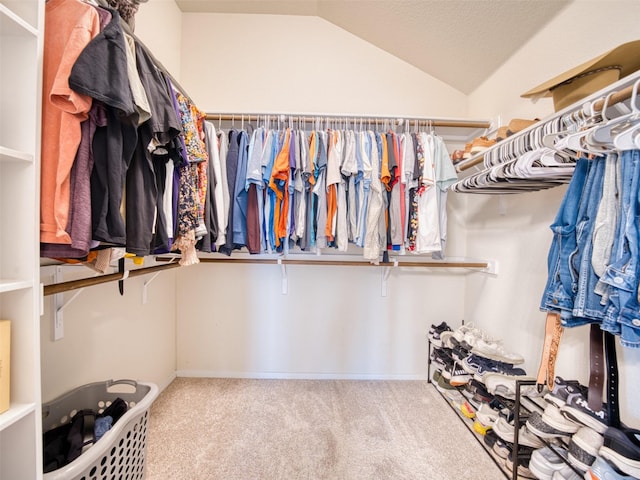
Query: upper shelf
[
  {"x": 16, "y": 24},
  {"x": 491, "y": 158},
  {"x": 11, "y": 155}
]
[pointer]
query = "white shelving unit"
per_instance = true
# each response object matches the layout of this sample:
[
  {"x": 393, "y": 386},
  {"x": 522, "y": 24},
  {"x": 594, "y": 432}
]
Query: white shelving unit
[{"x": 21, "y": 36}]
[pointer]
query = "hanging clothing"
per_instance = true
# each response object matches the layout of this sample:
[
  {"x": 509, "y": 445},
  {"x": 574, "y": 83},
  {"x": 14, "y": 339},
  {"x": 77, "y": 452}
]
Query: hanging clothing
[
  {"x": 69, "y": 27},
  {"x": 100, "y": 71}
]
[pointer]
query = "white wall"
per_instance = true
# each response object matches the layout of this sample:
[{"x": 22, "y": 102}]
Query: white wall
[
  {"x": 159, "y": 26},
  {"x": 234, "y": 321},
  {"x": 108, "y": 336},
  {"x": 520, "y": 239},
  {"x": 301, "y": 64}
]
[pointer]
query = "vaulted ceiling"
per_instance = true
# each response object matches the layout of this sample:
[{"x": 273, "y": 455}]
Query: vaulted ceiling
[{"x": 460, "y": 42}]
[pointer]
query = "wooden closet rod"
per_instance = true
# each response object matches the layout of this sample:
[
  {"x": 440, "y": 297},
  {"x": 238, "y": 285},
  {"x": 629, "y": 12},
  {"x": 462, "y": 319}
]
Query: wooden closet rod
[
  {"x": 345, "y": 263},
  {"x": 307, "y": 118},
  {"x": 112, "y": 277},
  {"x": 621, "y": 96}
]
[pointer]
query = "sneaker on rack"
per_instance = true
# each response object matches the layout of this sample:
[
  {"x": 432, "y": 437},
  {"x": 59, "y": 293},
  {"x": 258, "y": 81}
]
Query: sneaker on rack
[
  {"x": 602, "y": 470},
  {"x": 523, "y": 466},
  {"x": 468, "y": 410},
  {"x": 441, "y": 327},
  {"x": 507, "y": 433},
  {"x": 436, "y": 332},
  {"x": 454, "y": 397},
  {"x": 443, "y": 385},
  {"x": 500, "y": 447},
  {"x": 487, "y": 415},
  {"x": 566, "y": 474},
  {"x": 538, "y": 427},
  {"x": 562, "y": 389},
  {"x": 480, "y": 428},
  {"x": 456, "y": 375},
  {"x": 490, "y": 438},
  {"x": 495, "y": 351},
  {"x": 470, "y": 334},
  {"x": 577, "y": 409},
  {"x": 583, "y": 447},
  {"x": 555, "y": 419},
  {"x": 622, "y": 448},
  {"x": 441, "y": 358},
  {"x": 505, "y": 385},
  {"x": 545, "y": 461},
  {"x": 472, "y": 363}
]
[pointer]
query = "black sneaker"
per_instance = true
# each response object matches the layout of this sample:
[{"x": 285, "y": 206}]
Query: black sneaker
[
  {"x": 456, "y": 375},
  {"x": 562, "y": 389},
  {"x": 622, "y": 448},
  {"x": 577, "y": 409},
  {"x": 490, "y": 438},
  {"x": 436, "y": 331}
]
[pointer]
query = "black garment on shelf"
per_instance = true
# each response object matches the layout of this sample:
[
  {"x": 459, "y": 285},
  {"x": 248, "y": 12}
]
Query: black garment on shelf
[{"x": 101, "y": 73}]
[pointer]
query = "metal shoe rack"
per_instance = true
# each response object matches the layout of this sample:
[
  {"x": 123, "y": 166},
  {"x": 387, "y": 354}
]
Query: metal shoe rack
[{"x": 520, "y": 416}]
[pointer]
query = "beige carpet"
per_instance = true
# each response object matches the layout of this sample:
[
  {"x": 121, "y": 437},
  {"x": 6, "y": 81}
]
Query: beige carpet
[{"x": 232, "y": 429}]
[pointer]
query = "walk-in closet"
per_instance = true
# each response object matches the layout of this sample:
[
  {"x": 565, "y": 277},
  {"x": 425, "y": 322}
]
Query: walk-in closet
[{"x": 287, "y": 240}]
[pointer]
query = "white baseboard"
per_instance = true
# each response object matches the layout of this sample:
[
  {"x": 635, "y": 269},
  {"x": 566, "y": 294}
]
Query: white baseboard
[
  {"x": 166, "y": 382},
  {"x": 299, "y": 376}
]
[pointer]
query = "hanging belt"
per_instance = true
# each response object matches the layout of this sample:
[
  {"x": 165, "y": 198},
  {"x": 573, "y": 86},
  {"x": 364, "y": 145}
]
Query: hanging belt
[
  {"x": 552, "y": 334},
  {"x": 613, "y": 408},
  {"x": 596, "y": 368}
]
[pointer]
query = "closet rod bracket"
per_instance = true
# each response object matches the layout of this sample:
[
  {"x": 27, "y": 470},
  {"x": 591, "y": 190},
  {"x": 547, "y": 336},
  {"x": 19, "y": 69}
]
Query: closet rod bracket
[
  {"x": 386, "y": 271},
  {"x": 491, "y": 269},
  {"x": 145, "y": 285},
  {"x": 59, "y": 305},
  {"x": 285, "y": 279}
]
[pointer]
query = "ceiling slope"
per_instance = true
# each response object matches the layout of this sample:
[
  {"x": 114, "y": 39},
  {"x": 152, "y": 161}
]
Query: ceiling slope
[{"x": 460, "y": 42}]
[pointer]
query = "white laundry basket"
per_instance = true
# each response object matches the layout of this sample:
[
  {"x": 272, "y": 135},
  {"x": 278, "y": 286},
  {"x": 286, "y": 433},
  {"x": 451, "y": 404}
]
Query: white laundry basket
[{"x": 121, "y": 452}]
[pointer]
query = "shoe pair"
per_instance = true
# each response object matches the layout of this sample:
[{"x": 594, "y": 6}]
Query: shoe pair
[
  {"x": 584, "y": 447},
  {"x": 494, "y": 351},
  {"x": 622, "y": 448},
  {"x": 479, "y": 366},
  {"x": 506, "y": 432},
  {"x": 577, "y": 409},
  {"x": 550, "y": 462},
  {"x": 524, "y": 460},
  {"x": 602, "y": 470},
  {"x": 504, "y": 383},
  {"x": 436, "y": 331},
  {"x": 562, "y": 389}
]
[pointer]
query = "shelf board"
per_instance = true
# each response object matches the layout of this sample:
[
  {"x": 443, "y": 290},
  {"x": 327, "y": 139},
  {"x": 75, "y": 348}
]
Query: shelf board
[
  {"x": 12, "y": 24},
  {"x": 16, "y": 412},
  {"x": 10, "y": 285},
  {"x": 11, "y": 155}
]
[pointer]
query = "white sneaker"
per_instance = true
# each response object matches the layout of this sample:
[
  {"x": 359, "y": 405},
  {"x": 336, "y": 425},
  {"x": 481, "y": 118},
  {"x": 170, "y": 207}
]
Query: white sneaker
[
  {"x": 556, "y": 420},
  {"x": 495, "y": 351},
  {"x": 506, "y": 432},
  {"x": 545, "y": 461}
]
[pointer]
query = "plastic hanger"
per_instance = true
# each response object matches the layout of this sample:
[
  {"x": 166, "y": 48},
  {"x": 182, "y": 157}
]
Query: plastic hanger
[
  {"x": 625, "y": 138},
  {"x": 577, "y": 141},
  {"x": 606, "y": 133}
]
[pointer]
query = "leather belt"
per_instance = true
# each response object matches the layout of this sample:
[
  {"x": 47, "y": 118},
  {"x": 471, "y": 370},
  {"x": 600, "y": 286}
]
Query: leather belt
[
  {"x": 552, "y": 335},
  {"x": 596, "y": 370},
  {"x": 613, "y": 408}
]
